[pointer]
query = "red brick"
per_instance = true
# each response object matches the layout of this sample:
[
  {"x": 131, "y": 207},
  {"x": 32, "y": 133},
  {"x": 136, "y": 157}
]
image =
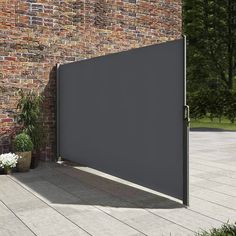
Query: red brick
[
  {"x": 10, "y": 58},
  {"x": 6, "y": 120}
]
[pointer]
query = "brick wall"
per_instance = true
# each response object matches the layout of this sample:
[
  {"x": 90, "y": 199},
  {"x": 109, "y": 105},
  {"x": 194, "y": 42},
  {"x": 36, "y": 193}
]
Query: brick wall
[{"x": 37, "y": 34}]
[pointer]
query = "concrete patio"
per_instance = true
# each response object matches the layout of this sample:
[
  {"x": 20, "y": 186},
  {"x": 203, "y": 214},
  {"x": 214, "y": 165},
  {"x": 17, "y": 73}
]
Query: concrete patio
[{"x": 68, "y": 200}]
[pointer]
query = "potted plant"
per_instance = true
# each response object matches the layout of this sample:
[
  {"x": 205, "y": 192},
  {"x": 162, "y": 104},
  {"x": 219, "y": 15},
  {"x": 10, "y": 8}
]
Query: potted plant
[
  {"x": 30, "y": 117},
  {"x": 23, "y": 147},
  {"x": 8, "y": 161}
]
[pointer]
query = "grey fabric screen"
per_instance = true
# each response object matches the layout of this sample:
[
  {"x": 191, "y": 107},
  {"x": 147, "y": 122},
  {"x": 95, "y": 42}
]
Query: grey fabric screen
[{"x": 124, "y": 114}]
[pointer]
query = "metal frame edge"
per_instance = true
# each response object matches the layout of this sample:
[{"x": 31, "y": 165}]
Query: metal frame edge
[
  {"x": 58, "y": 111},
  {"x": 185, "y": 134}
]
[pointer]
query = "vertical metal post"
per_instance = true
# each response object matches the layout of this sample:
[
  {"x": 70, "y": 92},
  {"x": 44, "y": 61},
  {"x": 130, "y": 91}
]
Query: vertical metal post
[
  {"x": 185, "y": 135},
  {"x": 58, "y": 111}
]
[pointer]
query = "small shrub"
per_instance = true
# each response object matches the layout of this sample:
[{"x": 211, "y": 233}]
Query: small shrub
[
  {"x": 225, "y": 230},
  {"x": 198, "y": 104},
  {"x": 217, "y": 103},
  {"x": 23, "y": 143},
  {"x": 212, "y": 102},
  {"x": 230, "y": 111}
]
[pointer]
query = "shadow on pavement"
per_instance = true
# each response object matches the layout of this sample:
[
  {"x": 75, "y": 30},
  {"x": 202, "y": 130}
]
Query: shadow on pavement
[{"x": 60, "y": 184}]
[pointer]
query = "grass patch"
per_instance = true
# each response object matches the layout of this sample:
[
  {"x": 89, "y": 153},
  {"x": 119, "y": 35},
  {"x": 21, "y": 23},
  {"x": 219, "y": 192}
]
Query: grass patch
[
  {"x": 225, "y": 230},
  {"x": 206, "y": 122}
]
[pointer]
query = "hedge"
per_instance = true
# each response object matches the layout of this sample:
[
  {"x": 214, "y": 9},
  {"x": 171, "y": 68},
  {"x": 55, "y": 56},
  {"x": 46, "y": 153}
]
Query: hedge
[{"x": 215, "y": 103}]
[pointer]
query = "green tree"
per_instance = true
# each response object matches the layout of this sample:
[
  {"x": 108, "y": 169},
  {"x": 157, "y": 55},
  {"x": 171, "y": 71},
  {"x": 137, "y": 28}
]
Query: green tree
[{"x": 210, "y": 27}]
